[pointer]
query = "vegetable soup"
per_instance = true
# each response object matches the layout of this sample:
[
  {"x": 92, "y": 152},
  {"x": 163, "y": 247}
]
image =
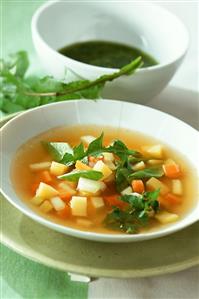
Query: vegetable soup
[{"x": 104, "y": 180}]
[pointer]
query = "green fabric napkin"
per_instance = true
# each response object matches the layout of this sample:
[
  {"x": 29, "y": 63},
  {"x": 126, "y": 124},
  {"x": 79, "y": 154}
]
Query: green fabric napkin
[{"x": 20, "y": 277}]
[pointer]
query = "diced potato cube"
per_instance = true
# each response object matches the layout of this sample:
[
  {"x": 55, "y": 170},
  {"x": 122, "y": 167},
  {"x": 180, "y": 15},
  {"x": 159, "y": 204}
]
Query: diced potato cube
[
  {"x": 102, "y": 167},
  {"x": 84, "y": 222},
  {"x": 87, "y": 139},
  {"x": 165, "y": 217},
  {"x": 97, "y": 202},
  {"x": 154, "y": 183},
  {"x": 155, "y": 151},
  {"x": 127, "y": 191},
  {"x": 58, "y": 203},
  {"x": 108, "y": 157},
  {"x": 89, "y": 186},
  {"x": 177, "y": 187},
  {"x": 79, "y": 165},
  {"x": 155, "y": 162},
  {"x": 40, "y": 166},
  {"x": 102, "y": 186},
  {"x": 78, "y": 206},
  {"x": 111, "y": 165},
  {"x": 110, "y": 178},
  {"x": 37, "y": 200},
  {"x": 139, "y": 166},
  {"x": 46, "y": 191},
  {"x": 46, "y": 207},
  {"x": 58, "y": 168},
  {"x": 170, "y": 162},
  {"x": 64, "y": 186}
]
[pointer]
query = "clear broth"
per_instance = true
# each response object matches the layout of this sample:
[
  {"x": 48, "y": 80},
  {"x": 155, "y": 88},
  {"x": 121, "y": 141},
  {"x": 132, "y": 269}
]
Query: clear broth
[{"x": 33, "y": 152}]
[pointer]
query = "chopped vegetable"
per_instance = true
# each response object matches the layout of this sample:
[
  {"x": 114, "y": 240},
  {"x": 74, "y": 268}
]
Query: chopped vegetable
[
  {"x": 64, "y": 213},
  {"x": 78, "y": 206},
  {"x": 40, "y": 166},
  {"x": 45, "y": 177},
  {"x": 172, "y": 171},
  {"x": 108, "y": 157},
  {"x": 57, "y": 203},
  {"x": 173, "y": 199},
  {"x": 37, "y": 200},
  {"x": 177, "y": 188},
  {"x": 114, "y": 200},
  {"x": 154, "y": 151},
  {"x": 97, "y": 202},
  {"x": 138, "y": 186},
  {"x": 103, "y": 168},
  {"x": 127, "y": 190},
  {"x": 46, "y": 207},
  {"x": 82, "y": 166},
  {"x": 46, "y": 191},
  {"x": 58, "y": 168},
  {"x": 89, "y": 186},
  {"x": 87, "y": 139},
  {"x": 153, "y": 184},
  {"x": 165, "y": 217},
  {"x": 154, "y": 162},
  {"x": 64, "y": 186},
  {"x": 139, "y": 166}
]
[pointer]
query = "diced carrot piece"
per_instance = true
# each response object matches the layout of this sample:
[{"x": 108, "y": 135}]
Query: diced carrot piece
[
  {"x": 45, "y": 177},
  {"x": 172, "y": 171},
  {"x": 64, "y": 213},
  {"x": 138, "y": 186},
  {"x": 95, "y": 159},
  {"x": 34, "y": 187},
  {"x": 173, "y": 199},
  {"x": 113, "y": 200},
  {"x": 81, "y": 166},
  {"x": 64, "y": 195}
]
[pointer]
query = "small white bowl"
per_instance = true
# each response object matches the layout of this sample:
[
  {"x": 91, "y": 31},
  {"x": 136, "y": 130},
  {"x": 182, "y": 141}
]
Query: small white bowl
[
  {"x": 144, "y": 25},
  {"x": 160, "y": 125}
]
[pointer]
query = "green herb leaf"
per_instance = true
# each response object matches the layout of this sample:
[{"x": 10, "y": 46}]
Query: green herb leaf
[
  {"x": 88, "y": 174},
  {"x": 78, "y": 152},
  {"x": 136, "y": 215},
  {"x": 156, "y": 172},
  {"x": 96, "y": 146},
  {"x": 58, "y": 149},
  {"x": 121, "y": 178},
  {"x": 19, "y": 92}
]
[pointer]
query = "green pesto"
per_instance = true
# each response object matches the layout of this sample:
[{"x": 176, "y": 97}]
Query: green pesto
[{"x": 106, "y": 54}]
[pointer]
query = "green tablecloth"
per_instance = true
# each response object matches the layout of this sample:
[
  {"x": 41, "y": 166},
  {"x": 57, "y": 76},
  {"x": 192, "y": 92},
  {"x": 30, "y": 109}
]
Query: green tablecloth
[{"x": 20, "y": 277}]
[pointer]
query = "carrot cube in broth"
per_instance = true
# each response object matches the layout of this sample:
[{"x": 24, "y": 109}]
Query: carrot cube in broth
[
  {"x": 138, "y": 186},
  {"x": 172, "y": 171},
  {"x": 64, "y": 213}
]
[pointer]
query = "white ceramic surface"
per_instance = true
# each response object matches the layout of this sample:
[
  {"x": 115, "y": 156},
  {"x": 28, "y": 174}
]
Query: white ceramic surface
[
  {"x": 144, "y": 25},
  {"x": 126, "y": 115}
]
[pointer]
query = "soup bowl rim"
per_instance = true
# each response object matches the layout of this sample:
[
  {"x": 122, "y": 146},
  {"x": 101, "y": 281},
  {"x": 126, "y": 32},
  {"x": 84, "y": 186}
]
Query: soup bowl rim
[{"x": 104, "y": 237}]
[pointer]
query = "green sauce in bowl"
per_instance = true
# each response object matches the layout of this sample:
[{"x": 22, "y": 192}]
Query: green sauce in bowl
[{"x": 106, "y": 54}]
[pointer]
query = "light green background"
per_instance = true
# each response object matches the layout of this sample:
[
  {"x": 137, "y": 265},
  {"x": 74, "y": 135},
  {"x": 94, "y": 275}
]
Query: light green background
[{"x": 21, "y": 278}]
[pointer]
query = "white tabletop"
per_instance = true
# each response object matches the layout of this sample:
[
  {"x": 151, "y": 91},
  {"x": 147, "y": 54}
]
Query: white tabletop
[{"x": 180, "y": 99}]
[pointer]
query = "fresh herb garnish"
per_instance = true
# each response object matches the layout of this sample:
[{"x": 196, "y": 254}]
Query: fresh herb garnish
[
  {"x": 156, "y": 172},
  {"x": 75, "y": 175},
  {"x": 58, "y": 149},
  {"x": 19, "y": 92},
  {"x": 95, "y": 148},
  {"x": 136, "y": 215}
]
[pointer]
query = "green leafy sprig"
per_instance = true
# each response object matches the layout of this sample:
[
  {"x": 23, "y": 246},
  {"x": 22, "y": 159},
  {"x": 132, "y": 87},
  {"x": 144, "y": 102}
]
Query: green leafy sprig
[{"x": 19, "y": 92}]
